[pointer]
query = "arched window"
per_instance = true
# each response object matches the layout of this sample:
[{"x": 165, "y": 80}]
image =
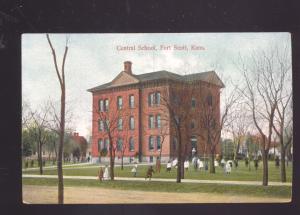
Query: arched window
[
  {"x": 151, "y": 143},
  {"x": 151, "y": 121},
  {"x": 158, "y": 143},
  {"x": 100, "y": 125},
  {"x": 106, "y": 144},
  {"x": 119, "y": 144},
  {"x": 106, "y": 105},
  {"x": 101, "y": 106},
  {"x": 193, "y": 102},
  {"x": 100, "y": 144},
  {"x": 131, "y": 123},
  {"x": 131, "y": 101},
  {"x": 120, "y": 102},
  {"x": 120, "y": 124},
  {"x": 131, "y": 144},
  {"x": 158, "y": 121},
  {"x": 194, "y": 142}
]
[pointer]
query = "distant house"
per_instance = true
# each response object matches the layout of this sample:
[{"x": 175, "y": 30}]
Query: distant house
[
  {"x": 140, "y": 96},
  {"x": 82, "y": 143}
]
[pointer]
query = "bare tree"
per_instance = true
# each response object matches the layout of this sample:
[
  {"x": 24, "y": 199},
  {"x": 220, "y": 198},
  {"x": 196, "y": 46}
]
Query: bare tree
[
  {"x": 40, "y": 131},
  {"x": 238, "y": 126},
  {"x": 61, "y": 79},
  {"x": 108, "y": 123},
  {"x": 176, "y": 99},
  {"x": 212, "y": 120},
  {"x": 283, "y": 114},
  {"x": 264, "y": 94}
]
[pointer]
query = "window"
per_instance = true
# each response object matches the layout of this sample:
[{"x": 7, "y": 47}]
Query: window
[
  {"x": 209, "y": 100},
  {"x": 194, "y": 142},
  {"x": 131, "y": 123},
  {"x": 131, "y": 101},
  {"x": 193, "y": 124},
  {"x": 106, "y": 105},
  {"x": 100, "y": 145},
  {"x": 151, "y": 121},
  {"x": 106, "y": 143},
  {"x": 157, "y": 98},
  {"x": 120, "y": 124},
  {"x": 193, "y": 102},
  {"x": 119, "y": 144},
  {"x": 154, "y": 99},
  {"x": 158, "y": 143},
  {"x": 106, "y": 125},
  {"x": 120, "y": 102},
  {"x": 151, "y": 143},
  {"x": 131, "y": 144},
  {"x": 100, "y": 108},
  {"x": 158, "y": 121},
  {"x": 151, "y": 99},
  {"x": 100, "y": 125}
]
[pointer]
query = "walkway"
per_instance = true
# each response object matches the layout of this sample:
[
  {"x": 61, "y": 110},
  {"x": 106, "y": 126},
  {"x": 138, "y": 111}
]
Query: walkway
[
  {"x": 82, "y": 165},
  {"x": 165, "y": 180}
]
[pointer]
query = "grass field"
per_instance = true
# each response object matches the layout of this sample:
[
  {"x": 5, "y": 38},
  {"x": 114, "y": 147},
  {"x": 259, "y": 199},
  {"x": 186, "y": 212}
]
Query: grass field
[
  {"x": 251, "y": 190},
  {"x": 238, "y": 174}
]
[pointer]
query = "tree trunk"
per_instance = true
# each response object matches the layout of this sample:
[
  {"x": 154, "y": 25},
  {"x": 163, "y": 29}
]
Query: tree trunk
[
  {"x": 122, "y": 162},
  {"x": 182, "y": 168},
  {"x": 237, "y": 150},
  {"x": 112, "y": 159},
  {"x": 60, "y": 149},
  {"x": 178, "y": 180},
  {"x": 40, "y": 159},
  {"x": 282, "y": 165},
  {"x": 212, "y": 163},
  {"x": 265, "y": 168}
]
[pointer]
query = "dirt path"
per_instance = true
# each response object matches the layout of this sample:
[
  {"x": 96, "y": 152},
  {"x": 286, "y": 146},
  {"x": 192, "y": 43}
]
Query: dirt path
[{"x": 92, "y": 195}]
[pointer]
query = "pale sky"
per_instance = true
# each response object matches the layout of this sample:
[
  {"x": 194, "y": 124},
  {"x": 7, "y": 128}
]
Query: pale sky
[{"x": 93, "y": 59}]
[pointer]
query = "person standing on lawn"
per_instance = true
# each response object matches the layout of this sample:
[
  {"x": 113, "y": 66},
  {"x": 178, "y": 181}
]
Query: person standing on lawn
[
  {"x": 277, "y": 162},
  {"x": 150, "y": 171},
  {"x": 169, "y": 166},
  {"x": 134, "y": 170},
  {"x": 186, "y": 165},
  {"x": 256, "y": 163},
  {"x": 106, "y": 173},
  {"x": 100, "y": 174}
]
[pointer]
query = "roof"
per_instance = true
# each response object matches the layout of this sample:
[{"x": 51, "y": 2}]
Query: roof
[{"x": 210, "y": 77}]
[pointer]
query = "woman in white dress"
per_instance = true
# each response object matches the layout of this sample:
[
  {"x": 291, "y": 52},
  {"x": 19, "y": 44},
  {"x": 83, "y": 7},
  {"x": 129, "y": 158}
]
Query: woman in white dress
[
  {"x": 106, "y": 174},
  {"x": 228, "y": 168},
  {"x": 186, "y": 165}
]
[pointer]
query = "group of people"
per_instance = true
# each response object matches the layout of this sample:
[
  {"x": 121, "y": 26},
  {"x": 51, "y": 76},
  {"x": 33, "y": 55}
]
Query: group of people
[{"x": 103, "y": 175}]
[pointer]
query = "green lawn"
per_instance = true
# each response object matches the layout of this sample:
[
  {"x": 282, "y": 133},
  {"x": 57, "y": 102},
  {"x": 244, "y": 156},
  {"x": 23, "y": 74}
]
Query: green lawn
[
  {"x": 239, "y": 174},
  {"x": 251, "y": 190},
  {"x": 47, "y": 163}
]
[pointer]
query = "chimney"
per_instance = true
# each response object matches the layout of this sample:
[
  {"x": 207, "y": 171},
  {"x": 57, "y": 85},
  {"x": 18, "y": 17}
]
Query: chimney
[{"x": 127, "y": 67}]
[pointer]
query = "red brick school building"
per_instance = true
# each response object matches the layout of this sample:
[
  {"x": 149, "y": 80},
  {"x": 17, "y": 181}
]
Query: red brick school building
[{"x": 143, "y": 129}]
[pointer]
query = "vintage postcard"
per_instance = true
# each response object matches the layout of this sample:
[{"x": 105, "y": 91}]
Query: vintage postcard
[{"x": 157, "y": 118}]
